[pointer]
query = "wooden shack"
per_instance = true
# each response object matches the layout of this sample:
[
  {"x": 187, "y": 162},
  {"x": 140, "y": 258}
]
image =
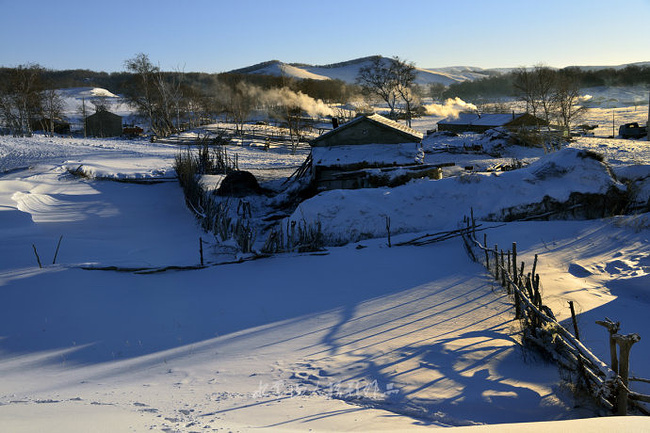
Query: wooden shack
[
  {"x": 476, "y": 122},
  {"x": 369, "y": 151},
  {"x": 104, "y": 124},
  {"x": 373, "y": 129}
]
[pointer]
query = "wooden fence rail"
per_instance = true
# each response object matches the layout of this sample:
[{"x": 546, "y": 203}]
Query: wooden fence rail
[{"x": 609, "y": 385}]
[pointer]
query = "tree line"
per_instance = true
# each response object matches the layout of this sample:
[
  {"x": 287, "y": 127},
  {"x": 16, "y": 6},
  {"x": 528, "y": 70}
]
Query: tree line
[
  {"x": 503, "y": 85},
  {"x": 167, "y": 101}
]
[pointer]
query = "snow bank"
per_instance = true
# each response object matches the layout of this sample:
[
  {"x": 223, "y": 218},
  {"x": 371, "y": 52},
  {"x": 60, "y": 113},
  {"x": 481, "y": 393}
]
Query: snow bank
[{"x": 351, "y": 215}]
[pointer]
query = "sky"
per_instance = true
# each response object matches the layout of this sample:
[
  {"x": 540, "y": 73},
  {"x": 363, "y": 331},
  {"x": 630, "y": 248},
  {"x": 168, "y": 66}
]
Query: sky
[{"x": 221, "y": 35}]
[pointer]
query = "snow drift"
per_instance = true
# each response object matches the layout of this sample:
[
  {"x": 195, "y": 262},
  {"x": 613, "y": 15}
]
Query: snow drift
[{"x": 352, "y": 215}]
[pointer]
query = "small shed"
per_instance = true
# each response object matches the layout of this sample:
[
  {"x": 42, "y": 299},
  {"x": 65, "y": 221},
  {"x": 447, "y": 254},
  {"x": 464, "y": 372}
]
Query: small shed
[
  {"x": 475, "y": 122},
  {"x": 104, "y": 124},
  {"x": 369, "y": 151}
]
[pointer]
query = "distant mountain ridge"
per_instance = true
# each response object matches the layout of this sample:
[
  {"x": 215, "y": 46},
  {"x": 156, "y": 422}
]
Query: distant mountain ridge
[{"x": 347, "y": 71}]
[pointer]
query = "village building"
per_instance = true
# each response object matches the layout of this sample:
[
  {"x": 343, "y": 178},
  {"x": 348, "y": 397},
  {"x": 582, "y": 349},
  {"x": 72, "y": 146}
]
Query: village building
[
  {"x": 475, "y": 122},
  {"x": 104, "y": 124},
  {"x": 369, "y": 151}
]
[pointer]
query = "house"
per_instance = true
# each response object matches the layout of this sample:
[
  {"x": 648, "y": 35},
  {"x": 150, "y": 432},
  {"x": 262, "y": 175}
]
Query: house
[
  {"x": 373, "y": 129},
  {"x": 475, "y": 122},
  {"x": 104, "y": 124},
  {"x": 369, "y": 151}
]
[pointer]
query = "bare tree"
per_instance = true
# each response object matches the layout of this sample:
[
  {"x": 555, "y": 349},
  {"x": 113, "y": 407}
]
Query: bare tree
[
  {"x": 378, "y": 79},
  {"x": 545, "y": 85},
  {"x": 21, "y": 98},
  {"x": 141, "y": 92},
  {"x": 241, "y": 101},
  {"x": 566, "y": 98},
  {"x": 436, "y": 90},
  {"x": 83, "y": 111},
  {"x": 404, "y": 76},
  {"x": 536, "y": 88},
  {"x": 52, "y": 104}
]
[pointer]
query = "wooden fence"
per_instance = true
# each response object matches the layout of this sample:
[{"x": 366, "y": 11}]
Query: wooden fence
[{"x": 608, "y": 384}]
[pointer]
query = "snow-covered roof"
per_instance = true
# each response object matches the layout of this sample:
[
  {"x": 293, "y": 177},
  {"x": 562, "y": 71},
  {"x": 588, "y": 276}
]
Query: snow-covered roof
[
  {"x": 392, "y": 124},
  {"x": 377, "y": 119},
  {"x": 491, "y": 119}
]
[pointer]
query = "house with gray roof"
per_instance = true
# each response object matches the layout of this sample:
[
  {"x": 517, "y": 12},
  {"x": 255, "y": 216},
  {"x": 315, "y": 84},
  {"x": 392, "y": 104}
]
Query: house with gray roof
[
  {"x": 373, "y": 129},
  {"x": 369, "y": 151},
  {"x": 476, "y": 122}
]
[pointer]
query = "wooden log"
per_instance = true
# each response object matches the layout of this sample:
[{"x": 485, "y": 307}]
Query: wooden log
[{"x": 640, "y": 397}]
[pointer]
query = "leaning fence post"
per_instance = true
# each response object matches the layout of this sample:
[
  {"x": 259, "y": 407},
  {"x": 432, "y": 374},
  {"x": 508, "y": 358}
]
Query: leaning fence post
[
  {"x": 625, "y": 343},
  {"x": 201, "y": 249},
  {"x": 496, "y": 262},
  {"x": 575, "y": 322},
  {"x": 613, "y": 329}
]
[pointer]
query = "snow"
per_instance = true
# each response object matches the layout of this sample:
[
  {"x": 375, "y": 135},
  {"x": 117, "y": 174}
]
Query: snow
[
  {"x": 348, "y": 71},
  {"x": 381, "y": 154},
  {"x": 359, "y": 214},
  {"x": 359, "y": 337}
]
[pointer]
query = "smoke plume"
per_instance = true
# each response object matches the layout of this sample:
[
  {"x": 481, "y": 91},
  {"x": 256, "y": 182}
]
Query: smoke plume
[{"x": 451, "y": 108}]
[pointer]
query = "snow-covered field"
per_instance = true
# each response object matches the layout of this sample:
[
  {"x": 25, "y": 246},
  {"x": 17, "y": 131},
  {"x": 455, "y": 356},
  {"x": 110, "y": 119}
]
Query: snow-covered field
[{"x": 361, "y": 337}]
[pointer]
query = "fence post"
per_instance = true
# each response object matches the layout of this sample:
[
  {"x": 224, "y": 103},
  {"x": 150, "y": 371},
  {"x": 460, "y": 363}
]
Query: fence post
[
  {"x": 575, "y": 322},
  {"x": 538, "y": 295},
  {"x": 514, "y": 263},
  {"x": 503, "y": 270},
  {"x": 487, "y": 254},
  {"x": 201, "y": 249},
  {"x": 496, "y": 262},
  {"x": 508, "y": 270},
  {"x": 613, "y": 329},
  {"x": 625, "y": 343}
]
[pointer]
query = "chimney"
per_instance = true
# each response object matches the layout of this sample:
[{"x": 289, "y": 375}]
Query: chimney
[{"x": 335, "y": 122}]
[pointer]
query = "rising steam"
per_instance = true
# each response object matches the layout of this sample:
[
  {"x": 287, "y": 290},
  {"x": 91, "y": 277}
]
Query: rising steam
[
  {"x": 286, "y": 97},
  {"x": 451, "y": 108}
]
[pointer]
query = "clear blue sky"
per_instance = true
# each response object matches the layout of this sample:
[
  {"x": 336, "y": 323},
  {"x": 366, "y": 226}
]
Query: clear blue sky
[{"x": 220, "y": 35}]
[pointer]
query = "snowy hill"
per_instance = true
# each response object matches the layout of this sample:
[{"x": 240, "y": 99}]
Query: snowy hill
[
  {"x": 348, "y": 71},
  {"x": 75, "y": 97}
]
